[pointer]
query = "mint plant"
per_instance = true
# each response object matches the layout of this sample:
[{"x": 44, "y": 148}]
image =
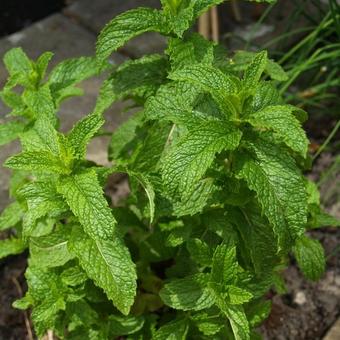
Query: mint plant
[{"x": 217, "y": 201}]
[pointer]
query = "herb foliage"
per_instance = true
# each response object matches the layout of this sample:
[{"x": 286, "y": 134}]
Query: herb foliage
[{"x": 218, "y": 200}]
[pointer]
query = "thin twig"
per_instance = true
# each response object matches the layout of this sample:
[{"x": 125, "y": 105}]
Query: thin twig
[
  {"x": 27, "y": 321},
  {"x": 236, "y": 10},
  {"x": 214, "y": 24},
  {"x": 328, "y": 139}
]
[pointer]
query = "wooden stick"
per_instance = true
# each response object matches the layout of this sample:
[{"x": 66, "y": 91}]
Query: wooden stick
[
  {"x": 27, "y": 321},
  {"x": 236, "y": 10},
  {"x": 214, "y": 24},
  {"x": 203, "y": 25}
]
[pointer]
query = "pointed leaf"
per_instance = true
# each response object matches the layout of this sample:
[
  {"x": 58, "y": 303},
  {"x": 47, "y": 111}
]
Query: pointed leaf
[
  {"x": 189, "y": 293},
  {"x": 125, "y": 27},
  {"x": 190, "y": 158},
  {"x": 280, "y": 189},
  {"x": 280, "y": 119},
  {"x": 84, "y": 195},
  {"x": 310, "y": 257},
  {"x": 108, "y": 264}
]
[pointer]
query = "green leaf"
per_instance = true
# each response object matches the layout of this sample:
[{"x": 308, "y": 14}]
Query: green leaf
[
  {"x": 11, "y": 246},
  {"x": 14, "y": 101},
  {"x": 44, "y": 315},
  {"x": 196, "y": 199},
  {"x": 108, "y": 264},
  {"x": 172, "y": 102},
  {"x": 266, "y": 94},
  {"x": 254, "y": 71},
  {"x": 10, "y": 216},
  {"x": 193, "y": 49},
  {"x": 84, "y": 195},
  {"x": 70, "y": 72},
  {"x": 42, "y": 161},
  {"x": 20, "y": 68},
  {"x": 280, "y": 119},
  {"x": 42, "y": 63},
  {"x": 10, "y": 131},
  {"x": 200, "y": 251},
  {"x": 279, "y": 185},
  {"x": 273, "y": 69},
  {"x": 42, "y": 200},
  {"x": 310, "y": 257},
  {"x": 73, "y": 276},
  {"x": 189, "y": 159},
  {"x": 50, "y": 250},
  {"x": 190, "y": 293},
  {"x": 238, "y": 296},
  {"x": 222, "y": 87},
  {"x": 125, "y": 27},
  {"x": 123, "y": 135},
  {"x": 257, "y": 312},
  {"x": 224, "y": 265},
  {"x": 202, "y": 6},
  {"x": 208, "y": 324},
  {"x": 238, "y": 322},
  {"x": 40, "y": 103},
  {"x": 149, "y": 190},
  {"x": 138, "y": 78},
  {"x": 82, "y": 133},
  {"x": 16, "y": 61},
  {"x": 175, "y": 330},
  {"x": 119, "y": 325}
]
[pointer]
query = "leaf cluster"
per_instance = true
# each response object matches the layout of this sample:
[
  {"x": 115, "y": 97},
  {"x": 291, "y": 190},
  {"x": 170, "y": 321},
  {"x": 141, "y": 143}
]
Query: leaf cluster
[{"x": 217, "y": 200}]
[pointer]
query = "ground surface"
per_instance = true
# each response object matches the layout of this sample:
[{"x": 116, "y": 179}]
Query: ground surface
[{"x": 306, "y": 312}]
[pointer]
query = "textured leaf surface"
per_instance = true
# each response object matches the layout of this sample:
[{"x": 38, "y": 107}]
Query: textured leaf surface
[
  {"x": 189, "y": 159},
  {"x": 254, "y": 71},
  {"x": 138, "y": 78},
  {"x": 280, "y": 119},
  {"x": 310, "y": 257},
  {"x": 70, "y": 72},
  {"x": 224, "y": 265},
  {"x": 238, "y": 296},
  {"x": 11, "y": 246},
  {"x": 119, "y": 325},
  {"x": 190, "y": 293},
  {"x": 280, "y": 189},
  {"x": 175, "y": 330},
  {"x": 16, "y": 61},
  {"x": 108, "y": 264},
  {"x": 42, "y": 199},
  {"x": 10, "y": 216},
  {"x": 196, "y": 199},
  {"x": 191, "y": 50},
  {"x": 200, "y": 251},
  {"x": 172, "y": 102},
  {"x": 126, "y": 26},
  {"x": 43, "y": 161},
  {"x": 10, "y": 131},
  {"x": 123, "y": 135},
  {"x": 238, "y": 321},
  {"x": 40, "y": 103},
  {"x": 50, "y": 250},
  {"x": 84, "y": 195},
  {"x": 211, "y": 80},
  {"x": 82, "y": 133}
]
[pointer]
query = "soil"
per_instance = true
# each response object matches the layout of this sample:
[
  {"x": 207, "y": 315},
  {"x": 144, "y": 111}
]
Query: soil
[
  {"x": 308, "y": 309},
  {"x": 12, "y": 321}
]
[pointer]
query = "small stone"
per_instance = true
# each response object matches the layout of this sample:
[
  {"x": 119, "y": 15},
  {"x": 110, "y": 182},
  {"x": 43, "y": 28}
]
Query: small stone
[{"x": 300, "y": 298}]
